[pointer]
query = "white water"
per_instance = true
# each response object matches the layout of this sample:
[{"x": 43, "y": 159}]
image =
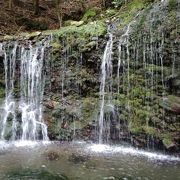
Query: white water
[
  {"x": 106, "y": 72},
  {"x": 30, "y": 125},
  {"x": 4, "y": 145},
  {"x": 32, "y": 83},
  {"x": 94, "y": 148},
  {"x": 103, "y": 148},
  {"x": 9, "y": 103}
]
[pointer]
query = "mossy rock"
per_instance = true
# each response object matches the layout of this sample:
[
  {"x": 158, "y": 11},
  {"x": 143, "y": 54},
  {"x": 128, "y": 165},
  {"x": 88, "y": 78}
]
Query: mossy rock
[
  {"x": 89, "y": 46},
  {"x": 89, "y": 110},
  {"x": 171, "y": 103},
  {"x": 135, "y": 130},
  {"x": 149, "y": 130},
  {"x": 96, "y": 28},
  {"x": 55, "y": 46},
  {"x": 81, "y": 33},
  {"x": 167, "y": 141},
  {"x": 172, "y": 4},
  {"x": 33, "y": 35},
  {"x": 136, "y": 5},
  {"x": 73, "y": 23}
]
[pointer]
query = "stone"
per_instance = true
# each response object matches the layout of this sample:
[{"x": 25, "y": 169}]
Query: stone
[
  {"x": 33, "y": 35},
  {"x": 171, "y": 103}
]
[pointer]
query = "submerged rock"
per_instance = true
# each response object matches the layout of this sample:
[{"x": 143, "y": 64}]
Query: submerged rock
[
  {"x": 78, "y": 158},
  {"x": 51, "y": 156}
]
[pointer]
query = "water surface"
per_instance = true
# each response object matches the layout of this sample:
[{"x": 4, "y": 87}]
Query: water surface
[{"x": 83, "y": 161}]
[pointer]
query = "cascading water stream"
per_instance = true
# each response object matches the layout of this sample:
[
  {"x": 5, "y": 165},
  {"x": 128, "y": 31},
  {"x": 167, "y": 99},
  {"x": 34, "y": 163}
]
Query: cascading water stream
[
  {"x": 22, "y": 119},
  {"x": 31, "y": 92},
  {"x": 106, "y": 73},
  {"x": 9, "y": 103}
]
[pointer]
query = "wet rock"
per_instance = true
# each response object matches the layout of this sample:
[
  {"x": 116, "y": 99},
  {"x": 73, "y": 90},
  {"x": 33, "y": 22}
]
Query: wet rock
[
  {"x": 169, "y": 144},
  {"x": 52, "y": 156},
  {"x": 110, "y": 177}
]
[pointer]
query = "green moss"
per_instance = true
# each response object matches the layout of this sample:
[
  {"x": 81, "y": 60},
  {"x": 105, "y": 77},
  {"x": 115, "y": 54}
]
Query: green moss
[
  {"x": 123, "y": 15},
  {"x": 129, "y": 12},
  {"x": 135, "y": 128},
  {"x": 89, "y": 46},
  {"x": 167, "y": 140},
  {"x": 88, "y": 110},
  {"x": 2, "y": 92},
  {"x": 55, "y": 46},
  {"x": 119, "y": 99},
  {"x": 171, "y": 103},
  {"x": 149, "y": 130},
  {"x": 172, "y": 4},
  {"x": 171, "y": 19},
  {"x": 142, "y": 20},
  {"x": 158, "y": 69},
  {"x": 89, "y": 14},
  {"x": 118, "y": 3},
  {"x": 84, "y": 32},
  {"x": 137, "y": 92},
  {"x": 76, "y": 125},
  {"x": 136, "y": 5},
  {"x": 173, "y": 34},
  {"x": 96, "y": 28},
  {"x": 111, "y": 12}
]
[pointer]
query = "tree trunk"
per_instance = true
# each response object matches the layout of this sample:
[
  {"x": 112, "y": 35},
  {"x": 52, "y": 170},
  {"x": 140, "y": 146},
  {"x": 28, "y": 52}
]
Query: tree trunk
[
  {"x": 10, "y": 4},
  {"x": 36, "y": 7},
  {"x": 59, "y": 12}
]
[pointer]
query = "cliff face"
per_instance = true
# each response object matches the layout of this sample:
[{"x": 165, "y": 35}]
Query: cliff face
[
  {"x": 141, "y": 94},
  {"x": 145, "y": 87}
]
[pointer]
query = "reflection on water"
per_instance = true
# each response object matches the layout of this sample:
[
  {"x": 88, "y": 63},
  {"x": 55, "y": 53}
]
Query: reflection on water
[{"x": 81, "y": 161}]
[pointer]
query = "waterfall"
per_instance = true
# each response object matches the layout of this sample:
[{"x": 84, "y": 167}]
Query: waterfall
[
  {"x": 141, "y": 89},
  {"x": 105, "y": 87},
  {"x": 9, "y": 103},
  {"x": 22, "y": 117}
]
